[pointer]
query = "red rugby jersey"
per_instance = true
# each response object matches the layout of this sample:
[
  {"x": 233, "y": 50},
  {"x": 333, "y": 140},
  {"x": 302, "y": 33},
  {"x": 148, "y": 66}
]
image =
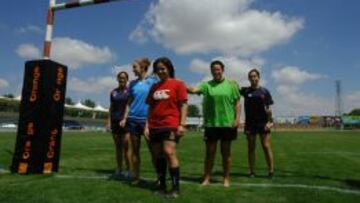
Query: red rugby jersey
[{"x": 164, "y": 99}]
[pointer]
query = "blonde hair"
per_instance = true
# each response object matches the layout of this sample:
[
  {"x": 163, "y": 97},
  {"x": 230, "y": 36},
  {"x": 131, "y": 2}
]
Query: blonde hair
[{"x": 144, "y": 63}]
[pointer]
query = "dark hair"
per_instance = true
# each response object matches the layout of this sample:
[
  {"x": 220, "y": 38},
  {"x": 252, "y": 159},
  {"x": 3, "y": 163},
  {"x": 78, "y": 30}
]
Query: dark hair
[
  {"x": 168, "y": 64},
  {"x": 255, "y": 71},
  {"x": 123, "y": 72},
  {"x": 144, "y": 63},
  {"x": 217, "y": 62}
]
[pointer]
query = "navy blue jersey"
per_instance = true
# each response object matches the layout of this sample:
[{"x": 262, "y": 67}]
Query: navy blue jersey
[
  {"x": 118, "y": 101},
  {"x": 255, "y": 102}
]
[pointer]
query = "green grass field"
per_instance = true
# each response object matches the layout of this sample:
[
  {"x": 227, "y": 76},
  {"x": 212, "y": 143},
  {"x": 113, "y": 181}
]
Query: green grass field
[{"x": 309, "y": 167}]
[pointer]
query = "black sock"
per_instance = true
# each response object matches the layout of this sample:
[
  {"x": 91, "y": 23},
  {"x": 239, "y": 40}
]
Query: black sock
[
  {"x": 161, "y": 165},
  {"x": 175, "y": 178}
]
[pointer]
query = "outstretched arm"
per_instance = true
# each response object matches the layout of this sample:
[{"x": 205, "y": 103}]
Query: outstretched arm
[{"x": 193, "y": 90}]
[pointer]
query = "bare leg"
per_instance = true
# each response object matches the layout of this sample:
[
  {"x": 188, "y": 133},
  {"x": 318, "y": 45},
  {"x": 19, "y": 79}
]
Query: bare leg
[
  {"x": 160, "y": 166},
  {"x": 251, "y": 152},
  {"x": 136, "y": 143},
  {"x": 170, "y": 153},
  {"x": 169, "y": 149},
  {"x": 118, "y": 153},
  {"x": 266, "y": 145},
  {"x": 226, "y": 161},
  {"x": 153, "y": 159},
  {"x": 209, "y": 161},
  {"x": 127, "y": 151}
]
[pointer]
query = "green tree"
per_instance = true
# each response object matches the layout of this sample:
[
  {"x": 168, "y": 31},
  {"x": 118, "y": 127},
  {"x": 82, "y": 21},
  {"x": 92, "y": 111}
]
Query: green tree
[
  {"x": 355, "y": 112},
  {"x": 69, "y": 101},
  {"x": 11, "y": 96},
  {"x": 89, "y": 103},
  {"x": 193, "y": 111}
]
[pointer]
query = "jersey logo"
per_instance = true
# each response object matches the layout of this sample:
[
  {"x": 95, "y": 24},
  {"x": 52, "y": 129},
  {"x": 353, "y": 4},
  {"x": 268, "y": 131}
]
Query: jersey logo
[
  {"x": 161, "y": 94},
  {"x": 249, "y": 95}
]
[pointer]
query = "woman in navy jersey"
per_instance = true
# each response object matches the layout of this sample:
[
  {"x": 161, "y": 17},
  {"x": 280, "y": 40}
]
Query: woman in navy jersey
[
  {"x": 118, "y": 101},
  {"x": 258, "y": 120}
]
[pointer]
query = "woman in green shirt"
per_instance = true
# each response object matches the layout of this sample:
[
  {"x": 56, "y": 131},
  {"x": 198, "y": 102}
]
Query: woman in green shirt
[{"x": 221, "y": 111}]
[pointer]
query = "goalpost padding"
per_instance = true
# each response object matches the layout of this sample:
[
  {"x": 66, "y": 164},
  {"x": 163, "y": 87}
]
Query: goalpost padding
[{"x": 39, "y": 132}]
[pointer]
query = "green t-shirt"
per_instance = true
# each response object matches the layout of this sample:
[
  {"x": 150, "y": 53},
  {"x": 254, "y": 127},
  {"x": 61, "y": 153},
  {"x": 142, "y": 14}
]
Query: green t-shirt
[{"x": 219, "y": 99}]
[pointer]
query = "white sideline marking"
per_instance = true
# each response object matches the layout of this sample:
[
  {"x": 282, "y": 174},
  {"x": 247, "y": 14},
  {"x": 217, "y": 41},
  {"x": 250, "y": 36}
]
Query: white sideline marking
[
  {"x": 4, "y": 171},
  {"x": 334, "y": 152},
  {"x": 248, "y": 185}
]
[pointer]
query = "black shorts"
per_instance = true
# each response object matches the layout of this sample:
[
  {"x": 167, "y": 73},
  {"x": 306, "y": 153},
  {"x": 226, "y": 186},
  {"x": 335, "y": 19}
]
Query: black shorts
[
  {"x": 135, "y": 127},
  {"x": 255, "y": 128},
  {"x": 163, "y": 134},
  {"x": 116, "y": 129},
  {"x": 220, "y": 133}
]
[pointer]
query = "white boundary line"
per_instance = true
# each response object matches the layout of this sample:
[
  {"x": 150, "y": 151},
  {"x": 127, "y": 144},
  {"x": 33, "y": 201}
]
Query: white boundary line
[
  {"x": 334, "y": 152},
  {"x": 246, "y": 185}
]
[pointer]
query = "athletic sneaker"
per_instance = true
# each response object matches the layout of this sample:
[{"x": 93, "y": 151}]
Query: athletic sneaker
[
  {"x": 160, "y": 191},
  {"x": 135, "y": 181},
  {"x": 271, "y": 175},
  {"x": 130, "y": 175},
  {"x": 174, "y": 194},
  {"x": 127, "y": 175},
  {"x": 116, "y": 176},
  {"x": 251, "y": 175}
]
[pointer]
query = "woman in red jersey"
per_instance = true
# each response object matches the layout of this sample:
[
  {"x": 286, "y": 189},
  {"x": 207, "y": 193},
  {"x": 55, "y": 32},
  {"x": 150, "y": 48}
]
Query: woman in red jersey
[{"x": 166, "y": 123}]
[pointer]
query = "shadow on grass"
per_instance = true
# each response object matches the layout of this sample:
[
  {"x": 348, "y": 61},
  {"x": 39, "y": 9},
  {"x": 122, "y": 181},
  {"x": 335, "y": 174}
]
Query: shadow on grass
[
  {"x": 353, "y": 183},
  {"x": 103, "y": 171},
  {"x": 144, "y": 184}
]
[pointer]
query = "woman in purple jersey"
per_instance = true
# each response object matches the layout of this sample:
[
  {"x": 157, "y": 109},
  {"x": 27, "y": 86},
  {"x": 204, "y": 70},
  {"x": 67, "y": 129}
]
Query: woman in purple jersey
[
  {"x": 118, "y": 101},
  {"x": 258, "y": 120}
]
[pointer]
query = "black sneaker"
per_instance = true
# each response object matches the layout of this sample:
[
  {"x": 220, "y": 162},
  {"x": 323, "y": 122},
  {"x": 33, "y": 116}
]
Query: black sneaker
[
  {"x": 160, "y": 190},
  {"x": 116, "y": 176},
  {"x": 271, "y": 175}
]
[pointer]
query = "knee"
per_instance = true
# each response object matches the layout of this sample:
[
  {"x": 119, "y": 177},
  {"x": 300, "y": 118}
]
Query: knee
[
  {"x": 169, "y": 153},
  {"x": 266, "y": 145},
  {"x": 225, "y": 152}
]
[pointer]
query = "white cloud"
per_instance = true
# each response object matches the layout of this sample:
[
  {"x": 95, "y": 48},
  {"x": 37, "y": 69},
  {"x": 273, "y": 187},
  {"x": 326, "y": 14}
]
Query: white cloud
[
  {"x": 3, "y": 83},
  {"x": 127, "y": 68},
  {"x": 352, "y": 101},
  {"x": 72, "y": 52},
  {"x": 30, "y": 29},
  {"x": 76, "y": 53},
  {"x": 235, "y": 68},
  {"x": 92, "y": 85},
  {"x": 203, "y": 26},
  {"x": 292, "y": 100},
  {"x": 28, "y": 51},
  {"x": 292, "y": 75}
]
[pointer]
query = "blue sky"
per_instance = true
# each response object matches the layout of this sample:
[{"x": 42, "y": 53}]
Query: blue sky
[{"x": 301, "y": 47}]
